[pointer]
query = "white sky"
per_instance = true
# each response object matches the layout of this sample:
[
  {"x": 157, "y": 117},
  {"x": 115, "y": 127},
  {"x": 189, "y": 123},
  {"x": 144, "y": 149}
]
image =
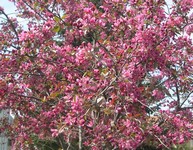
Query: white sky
[
  {"x": 9, "y": 9},
  {"x": 8, "y": 6}
]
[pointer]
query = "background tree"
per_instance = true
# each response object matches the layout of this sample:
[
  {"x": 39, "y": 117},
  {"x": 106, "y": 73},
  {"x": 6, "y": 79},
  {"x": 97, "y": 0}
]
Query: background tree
[{"x": 87, "y": 74}]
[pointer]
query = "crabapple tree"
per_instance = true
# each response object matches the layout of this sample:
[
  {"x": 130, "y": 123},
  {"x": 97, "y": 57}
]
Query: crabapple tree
[{"x": 90, "y": 74}]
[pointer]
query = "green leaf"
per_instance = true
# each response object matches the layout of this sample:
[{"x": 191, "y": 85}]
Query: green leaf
[
  {"x": 57, "y": 19},
  {"x": 54, "y": 94},
  {"x": 42, "y": 9},
  {"x": 36, "y": 5},
  {"x": 56, "y": 29}
]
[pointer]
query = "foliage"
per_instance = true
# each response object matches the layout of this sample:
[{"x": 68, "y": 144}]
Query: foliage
[{"x": 92, "y": 74}]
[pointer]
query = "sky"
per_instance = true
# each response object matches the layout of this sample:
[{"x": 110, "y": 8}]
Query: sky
[
  {"x": 9, "y": 9},
  {"x": 8, "y": 6}
]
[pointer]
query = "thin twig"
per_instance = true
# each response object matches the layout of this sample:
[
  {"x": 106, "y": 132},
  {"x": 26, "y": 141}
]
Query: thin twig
[
  {"x": 107, "y": 51},
  {"x": 161, "y": 142},
  {"x": 186, "y": 98},
  {"x": 22, "y": 73},
  {"x": 34, "y": 10},
  {"x": 11, "y": 23},
  {"x": 178, "y": 96},
  {"x": 32, "y": 97}
]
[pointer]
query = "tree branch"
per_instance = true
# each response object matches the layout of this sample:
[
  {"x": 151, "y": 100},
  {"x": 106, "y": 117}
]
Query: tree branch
[
  {"x": 80, "y": 137},
  {"x": 178, "y": 96},
  {"x": 161, "y": 142},
  {"x": 12, "y": 25},
  {"x": 186, "y": 98},
  {"x": 34, "y": 10},
  {"x": 31, "y": 97}
]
